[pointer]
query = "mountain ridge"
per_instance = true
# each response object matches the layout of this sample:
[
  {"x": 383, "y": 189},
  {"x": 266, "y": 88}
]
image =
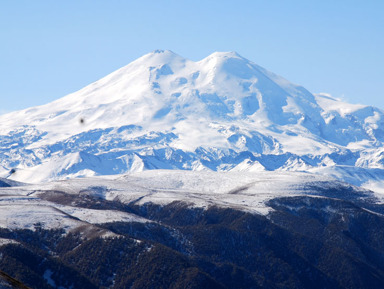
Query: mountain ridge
[
  {"x": 208, "y": 174},
  {"x": 214, "y": 229},
  {"x": 163, "y": 111}
]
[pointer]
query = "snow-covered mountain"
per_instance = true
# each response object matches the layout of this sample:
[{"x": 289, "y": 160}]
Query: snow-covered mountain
[{"x": 223, "y": 113}]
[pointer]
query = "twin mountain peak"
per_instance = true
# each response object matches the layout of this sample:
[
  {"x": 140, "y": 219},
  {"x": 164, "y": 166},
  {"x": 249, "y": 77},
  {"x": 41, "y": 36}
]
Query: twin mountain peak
[{"x": 222, "y": 113}]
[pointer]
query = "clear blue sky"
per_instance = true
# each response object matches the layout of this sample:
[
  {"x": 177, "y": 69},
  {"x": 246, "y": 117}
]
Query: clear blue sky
[{"x": 52, "y": 48}]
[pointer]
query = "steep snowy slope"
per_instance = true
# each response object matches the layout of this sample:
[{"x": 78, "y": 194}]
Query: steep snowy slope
[{"x": 165, "y": 112}]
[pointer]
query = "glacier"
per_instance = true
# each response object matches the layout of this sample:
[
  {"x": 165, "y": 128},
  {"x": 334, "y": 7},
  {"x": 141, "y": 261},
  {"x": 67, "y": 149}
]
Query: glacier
[{"x": 223, "y": 113}]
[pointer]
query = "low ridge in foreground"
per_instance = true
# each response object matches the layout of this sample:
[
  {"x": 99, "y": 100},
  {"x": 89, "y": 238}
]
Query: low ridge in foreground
[{"x": 180, "y": 229}]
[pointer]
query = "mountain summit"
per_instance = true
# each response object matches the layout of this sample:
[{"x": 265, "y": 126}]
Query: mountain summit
[{"x": 223, "y": 113}]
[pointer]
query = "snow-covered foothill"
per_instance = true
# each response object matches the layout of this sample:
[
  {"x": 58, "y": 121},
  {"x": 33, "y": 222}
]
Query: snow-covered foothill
[{"x": 247, "y": 191}]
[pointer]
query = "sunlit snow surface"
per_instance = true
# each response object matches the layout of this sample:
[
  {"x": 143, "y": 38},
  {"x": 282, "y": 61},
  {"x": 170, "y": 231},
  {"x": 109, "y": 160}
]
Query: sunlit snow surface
[
  {"x": 222, "y": 113},
  {"x": 25, "y": 207}
]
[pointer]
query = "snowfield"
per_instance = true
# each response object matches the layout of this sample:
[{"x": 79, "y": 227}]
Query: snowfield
[
  {"x": 38, "y": 205},
  {"x": 223, "y": 114}
]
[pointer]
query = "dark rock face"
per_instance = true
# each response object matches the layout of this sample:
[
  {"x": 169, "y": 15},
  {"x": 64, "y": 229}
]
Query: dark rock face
[{"x": 306, "y": 242}]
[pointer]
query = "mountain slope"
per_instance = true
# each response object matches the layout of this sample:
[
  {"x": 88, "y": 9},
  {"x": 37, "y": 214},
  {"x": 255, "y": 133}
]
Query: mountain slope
[
  {"x": 163, "y": 111},
  {"x": 188, "y": 229}
]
